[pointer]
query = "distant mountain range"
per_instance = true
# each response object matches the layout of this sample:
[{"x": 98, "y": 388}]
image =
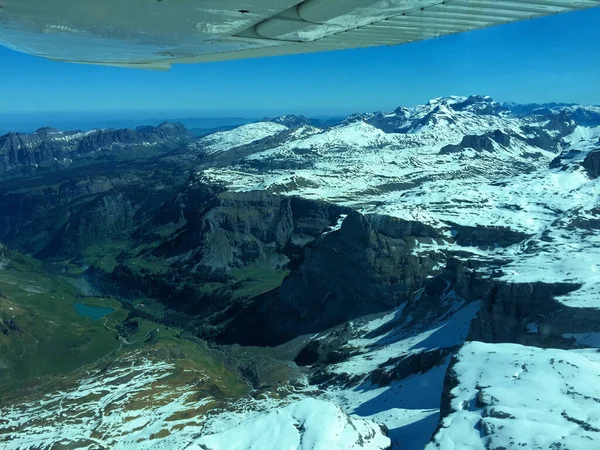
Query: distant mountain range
[{"x": 50, "y": 146}]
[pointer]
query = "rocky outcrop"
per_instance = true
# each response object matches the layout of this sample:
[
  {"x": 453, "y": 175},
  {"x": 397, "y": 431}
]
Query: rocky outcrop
[
  {"x": 561, "y": 122},
  {"x": 483, "y": 143},
  {"x": 397, "y": 122},
  {"x": 561, "y": 161},
  {"x": 105, "y": 217},
  {"x": 486, "y": 237},
  {"x": 404, "y": 366},
  {"x": 294, "y": 121},
  {"x": 590, "y": 223},
  {"x": 591, "y": 164},
  {"x": 147, "y": 134},
  {"x": 326, "y": 351},
  {"x": 479, "y": 104},
  {"x": 64, "y": 215},
  {"x": 529, "y": 314},
  {"x": 237, "y": 229},
  {"x": 522, "y": 313},
  {"x": 236, "y": 155},
  {"x": 541, "y": 138}
]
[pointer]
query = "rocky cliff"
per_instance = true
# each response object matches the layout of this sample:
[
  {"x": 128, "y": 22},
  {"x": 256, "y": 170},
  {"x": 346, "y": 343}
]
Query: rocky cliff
[{"x": 47, "y": 145}]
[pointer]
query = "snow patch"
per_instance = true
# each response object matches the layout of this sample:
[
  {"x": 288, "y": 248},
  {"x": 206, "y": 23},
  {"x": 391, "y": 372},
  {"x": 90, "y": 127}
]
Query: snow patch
[
  {"x": 337, "y": 226},
  {"x": 308, "y": 424}
]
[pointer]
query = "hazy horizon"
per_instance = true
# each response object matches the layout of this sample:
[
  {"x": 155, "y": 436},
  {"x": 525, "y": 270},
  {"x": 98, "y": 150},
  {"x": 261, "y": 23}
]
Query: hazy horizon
[{"x": 27, "y": 122}]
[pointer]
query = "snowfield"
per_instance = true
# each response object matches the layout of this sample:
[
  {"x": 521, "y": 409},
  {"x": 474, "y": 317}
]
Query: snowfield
[
  {"x": 308, "y": 424},
  {"x": 510, "y": 396},
  {"x": 410, "y": 407},
  {"x": 101, "y": 410}
]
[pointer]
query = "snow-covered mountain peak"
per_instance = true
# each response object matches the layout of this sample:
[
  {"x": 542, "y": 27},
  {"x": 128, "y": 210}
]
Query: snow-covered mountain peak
[
  {"x": 243, "y": 135},
  {"x": 306, "y": 141},
  {"x": 448, "y": 100},
  {"x": 303, "y": 425}
]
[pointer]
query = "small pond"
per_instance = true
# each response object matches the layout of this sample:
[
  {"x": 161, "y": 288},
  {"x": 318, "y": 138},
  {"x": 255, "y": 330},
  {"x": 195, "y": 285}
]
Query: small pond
[{"x": 93, "y": 312}]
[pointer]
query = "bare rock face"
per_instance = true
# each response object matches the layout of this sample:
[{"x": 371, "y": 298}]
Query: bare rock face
[
  {"x": 366, "y": 266},
  {"x": 483, "y": 143},
  {"x": 529, "y": 314},
  {"x": 405, "y": 366},
  {"x": 522, "y": 313},
  {"x": 231, "y": 230},
  {"x": 367, "y": 262},
  {"x": 47, "y": 144},
  {"x": 486, "y": 237},
  {"x": 591, "y": 164}
]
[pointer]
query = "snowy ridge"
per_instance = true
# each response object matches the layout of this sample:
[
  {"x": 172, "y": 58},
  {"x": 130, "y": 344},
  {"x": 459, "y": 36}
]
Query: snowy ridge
[
  {"x": 502, "y": 169},
  {"x": 409, "y": 407},
  {"x": 133, "y": 406},
  {"x": 246, "y": 134},
  {"x": 580, "y": 143}
]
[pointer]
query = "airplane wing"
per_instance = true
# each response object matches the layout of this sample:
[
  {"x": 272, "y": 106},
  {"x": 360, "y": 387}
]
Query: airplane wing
[{"x": 154, "y": 34}]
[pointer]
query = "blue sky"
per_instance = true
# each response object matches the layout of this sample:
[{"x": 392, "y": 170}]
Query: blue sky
[{"x": 551, "y": 59}]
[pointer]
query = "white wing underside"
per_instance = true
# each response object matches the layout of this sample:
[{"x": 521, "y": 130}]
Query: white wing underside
[{"x": 154, "y": 34}]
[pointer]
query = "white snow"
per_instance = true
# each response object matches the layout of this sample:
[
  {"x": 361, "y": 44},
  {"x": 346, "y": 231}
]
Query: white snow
[
  {"x": 308, "y": 424},
  {"x": 552, "y": 395},
  {"x": 510, "y": 396},
  {"x": 409, "y": 407},
  {"x": 337, "y": 226},
  {"x": 243, "y": 135},
  {"x": 448, "y": 331},
  {"x": 583, "y": 139}
]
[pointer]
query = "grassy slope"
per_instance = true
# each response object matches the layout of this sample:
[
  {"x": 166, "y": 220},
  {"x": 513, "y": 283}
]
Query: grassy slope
[
  {"x": 53, "y": 336},
  {"x": 258, "y": 278},
  {"x": 55, "y": 346}
]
